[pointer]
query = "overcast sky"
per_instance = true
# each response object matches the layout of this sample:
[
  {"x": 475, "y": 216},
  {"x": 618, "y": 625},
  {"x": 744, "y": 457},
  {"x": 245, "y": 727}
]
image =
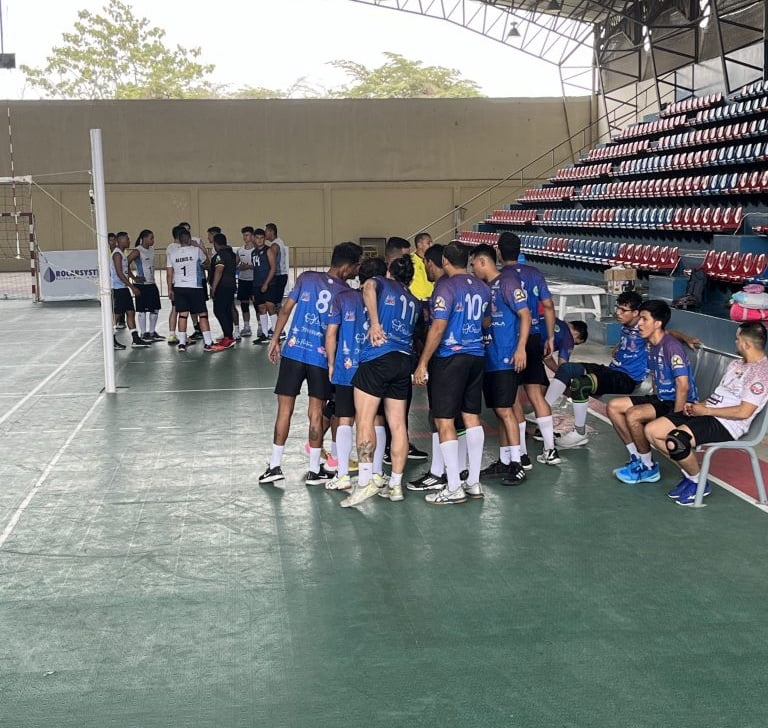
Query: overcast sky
[{"x": 272, "y": 43}]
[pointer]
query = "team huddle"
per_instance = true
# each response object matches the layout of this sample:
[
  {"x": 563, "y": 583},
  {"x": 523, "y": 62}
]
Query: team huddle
[{"x": 484, "y": 335}]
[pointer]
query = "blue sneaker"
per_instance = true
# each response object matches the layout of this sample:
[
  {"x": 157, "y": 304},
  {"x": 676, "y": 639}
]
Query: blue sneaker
[
  {"x": 680, "y": 488},
  {"x": 640, "y": 474},
  {"x": 632, "y": 463},
  {"x": 688, "y": 497}
]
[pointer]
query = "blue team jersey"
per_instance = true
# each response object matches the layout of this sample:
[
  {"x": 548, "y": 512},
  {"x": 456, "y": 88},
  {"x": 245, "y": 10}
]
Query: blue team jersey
[
  {"x": 398, "y": 311},
  {"x": 461, "y": 300},
  {"x": 667, "y": 361},
  {"x": 313, "y": 293},
  {"x": 348, "y": 313},
  {"x": 535, "y": 288},
  {"x": 507, "y": 298},
  {"x": 564, "y": 342},
  {"x": 631, "y": 355}
]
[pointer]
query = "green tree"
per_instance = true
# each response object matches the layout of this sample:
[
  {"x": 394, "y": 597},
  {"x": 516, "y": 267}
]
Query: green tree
[
  {"x": 401, "y": 78},
  {"x": 299, "y": 89},
  {"x": 119, "y": 56}
]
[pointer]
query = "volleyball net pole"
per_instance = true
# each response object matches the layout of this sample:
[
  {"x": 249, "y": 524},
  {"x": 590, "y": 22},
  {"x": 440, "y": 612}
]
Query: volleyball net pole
[{"x": 102, "y": 249}]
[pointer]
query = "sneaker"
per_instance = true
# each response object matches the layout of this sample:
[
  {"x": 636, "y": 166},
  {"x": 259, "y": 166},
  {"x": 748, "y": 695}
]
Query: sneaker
[
  {"x": 464, "y": 476},
  {"x": 210, "y": 347},
  {"x": 156, "y": 337},
  {"x": 428, "y": 481},
  {"x": 639, "y": 473},
  {"x": 120, "y": 323},
  {"x": 631, "y": 464},
  {"x": 331, "y": 461},
  {"x": 340, "y": 482},
  {"x": 172, "y": 339},
  {"x": 549, "y": 457},
  {"x": 360, "y": 495},
  {"x": 387, "y": 457},
  {"x": 196, "y": 336},
  {"x": 271, "y": 475},
  {"x": 182, "y": 347},
  {"x": 538, "y": 436},
  {"x": 281, "y": 337},
  {"x": 688, "y": 497},
  {"x": 117, "y": 345},
  {"x": 679, "y": 489},
  {"x": 191, "y": 342},
  {"x": 318, "y": 478},
  {"x": 447, "y": 497},
  {"x": 526, "y": 463},
  {"x": 245, "y": 331},
  {"x": 381, "y": 480},
  {"x": 572, "y": 439},
  {"x": 260, "y": 339},
  {"x": 474, "y": 491},
  {"x": 228, "y": 343},
  {"x": 515, "y": 475},
  {"x": 415, "y": 454},
  {"x": 138, "y": 343},
  {"x": 495, "y": 470},
  {"x": 147, "y": 337},
  {"x": 393, "y": 492}
]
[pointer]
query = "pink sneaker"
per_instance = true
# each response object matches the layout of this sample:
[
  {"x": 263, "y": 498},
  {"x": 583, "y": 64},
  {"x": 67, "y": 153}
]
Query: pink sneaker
[{"x": 331, "y": 461}]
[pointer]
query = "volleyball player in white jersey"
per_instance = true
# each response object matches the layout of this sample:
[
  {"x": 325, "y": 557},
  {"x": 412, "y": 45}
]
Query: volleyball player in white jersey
[
  {"x": 122, "y": 288},
  {"x": 185, "y": 287},
  {"x": 148, "y": 303},
  {"x": 245, "y": 278},
  {"x": 283, "y": 265}
]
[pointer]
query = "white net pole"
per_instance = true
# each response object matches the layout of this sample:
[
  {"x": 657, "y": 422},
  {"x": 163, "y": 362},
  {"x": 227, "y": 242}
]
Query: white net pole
[{"x": 102, "y": 247}]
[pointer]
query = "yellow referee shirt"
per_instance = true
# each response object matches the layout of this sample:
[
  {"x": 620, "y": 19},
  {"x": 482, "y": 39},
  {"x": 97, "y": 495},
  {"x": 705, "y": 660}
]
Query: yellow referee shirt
[{"x": 420, "y": 286}]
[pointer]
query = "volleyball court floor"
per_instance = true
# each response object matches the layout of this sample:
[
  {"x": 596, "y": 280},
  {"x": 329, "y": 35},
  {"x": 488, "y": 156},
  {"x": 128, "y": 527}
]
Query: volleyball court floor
[{"x": 147, "y": 580}]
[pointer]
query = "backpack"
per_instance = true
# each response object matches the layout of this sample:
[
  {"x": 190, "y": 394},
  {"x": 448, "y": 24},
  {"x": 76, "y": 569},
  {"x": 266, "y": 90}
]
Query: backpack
[{"x": 694, "y": 291}]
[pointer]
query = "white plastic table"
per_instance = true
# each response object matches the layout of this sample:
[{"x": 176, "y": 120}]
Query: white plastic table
[{"x": 574, "y": 299}]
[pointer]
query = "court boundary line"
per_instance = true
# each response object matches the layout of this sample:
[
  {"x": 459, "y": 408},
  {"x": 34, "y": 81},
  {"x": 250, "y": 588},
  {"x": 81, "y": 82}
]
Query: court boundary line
[
  {"x": 45, "y": 381},
  {"x": 19, "y": 512}
]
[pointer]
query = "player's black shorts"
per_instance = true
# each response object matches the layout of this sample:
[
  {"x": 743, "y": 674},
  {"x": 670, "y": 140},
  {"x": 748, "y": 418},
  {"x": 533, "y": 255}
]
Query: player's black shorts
[
  {"x": 500, "y": 388},
  {"x": 535, "y": 371},
  {"x": 274, "y": 294},
  {"x": 344, "y": 398},
  {"x": 705, "y": 429},
  {"x": 244, "y": 290},
  {"x": 122, "y": 300},
  {"x": 610, "y": 381},
  {"x": 292, "y": 375},
  {"x": 457, "y": 385},
  {"x": 280, "y": 283},
  {"x": 259, "y": 298},
  {"x": 149, "y": 300},
  {"x": 663, "y": 407},
  {"x": 387, "y": 376},
  {"x": 191, "y": 300}
]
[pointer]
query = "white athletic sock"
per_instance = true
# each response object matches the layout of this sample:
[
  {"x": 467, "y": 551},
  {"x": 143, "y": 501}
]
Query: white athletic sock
[
  {"x": 463, "y": 452},
  {"x": 475, "y": 441},
  {"x": 694, "y": 478},
  {"x": 632, "y": 450},
  {"x": 438, "y": 466},
  {"x": 364, "y": 474},
  {"x": 450, "y": 450},
  {"x": 153, "y": 316},
  {"x": 555, "y": 390},
  {"x": 277, "y": 454},
  {"x": 514, "y": 453},
  {"x": 395, "y": 479},
  {"x": 380, "y": 449},
  {"x": 236, "y": 332},
  {"x": 182, "y": 336},
  {"x": 333, "y": 449},
  {"x": 272, "y": 321},
  {"x": 207, "y": 338},
  {"x": 343, "y": 447},
  {"x": 314, "y": 459},
  {"x": 264, "y": 321},
  {"x": 523, "y": 444},
  {"x": 647, "y": 458},
  {"x": 547, "y": 428},
  {"x": 505, "y": 454},
  {"x": 580, "y": 416}
]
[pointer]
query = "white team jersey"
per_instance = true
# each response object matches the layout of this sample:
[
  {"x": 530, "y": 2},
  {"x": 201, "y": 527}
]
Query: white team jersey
[
  {"x": 145, "y": 263},
  {"x": 186, "y": 261},
  {"x": 168, "y": 252},
  {"x": 244, "y": 256},
  {"x": 741, "y": 382},
  {"x": 116, "y": 282},
  {"x": 284, "y": 264}
]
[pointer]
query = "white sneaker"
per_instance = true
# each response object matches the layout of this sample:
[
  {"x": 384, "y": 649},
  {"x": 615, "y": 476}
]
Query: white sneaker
[
  {"x": 474, "y": 491},
  {"x": 360, "y": 495},
  {"x": 340, "y": 482},
  {"x": 245, "y": 331},
  {"x": 394, "y": 493},
  {"x": 380, "y": 480},
  {"x": 446, "y": 497},
  {"x": 572, "y": 439}
]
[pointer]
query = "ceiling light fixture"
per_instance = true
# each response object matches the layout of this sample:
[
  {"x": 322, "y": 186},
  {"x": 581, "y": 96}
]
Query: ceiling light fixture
[{"x": 513, "y": 31}]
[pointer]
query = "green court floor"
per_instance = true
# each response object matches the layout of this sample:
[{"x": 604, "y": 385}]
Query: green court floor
[{"x": 147, "y": 580}]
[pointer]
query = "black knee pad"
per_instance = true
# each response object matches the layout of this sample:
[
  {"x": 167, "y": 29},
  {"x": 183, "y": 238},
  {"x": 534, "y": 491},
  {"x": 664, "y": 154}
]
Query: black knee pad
[
  {"x": 678, "y": 444},
  {"x": 581, "y": 388}
]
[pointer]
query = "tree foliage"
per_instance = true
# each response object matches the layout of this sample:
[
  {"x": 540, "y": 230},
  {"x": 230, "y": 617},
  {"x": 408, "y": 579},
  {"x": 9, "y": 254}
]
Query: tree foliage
[
  {"x": 401, "y": 78},
  {"x": 119, "y": 56}
]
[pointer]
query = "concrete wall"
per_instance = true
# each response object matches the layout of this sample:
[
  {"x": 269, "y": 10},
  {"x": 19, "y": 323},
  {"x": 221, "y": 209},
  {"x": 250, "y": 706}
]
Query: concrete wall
[{"x": 324, "y": 171}]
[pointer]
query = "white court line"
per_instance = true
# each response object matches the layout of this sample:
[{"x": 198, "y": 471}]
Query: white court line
[
  {"x": 5, "y": 535},
  {"x": 725, "y": 486},
  {"x": 181, "y": 391},
  {"x": 45, "y": 381}
]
